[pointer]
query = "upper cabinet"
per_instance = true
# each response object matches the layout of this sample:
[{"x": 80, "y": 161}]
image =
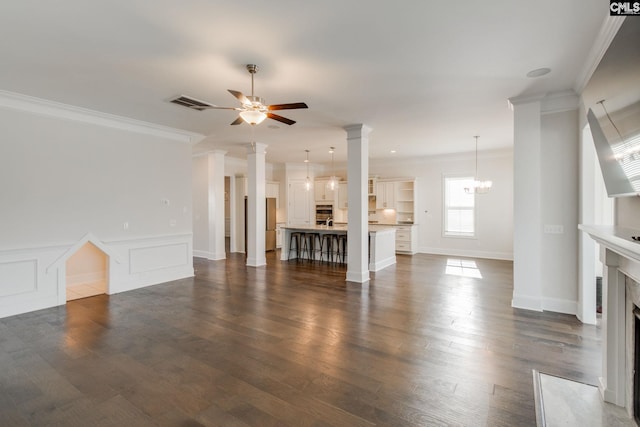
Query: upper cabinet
[
  {"x": 371, "y": 186},
  {"x": 322, "y": 191},
  {"x": 272, "y": 190},
  {"x": 385, "y": 195},
  {"x": 405, "y": 201}
]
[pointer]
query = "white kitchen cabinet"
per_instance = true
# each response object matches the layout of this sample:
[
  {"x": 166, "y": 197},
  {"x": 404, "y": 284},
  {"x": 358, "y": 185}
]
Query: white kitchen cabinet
[
  {"x": 298, "y": 212},
  {"x": 279, "y": 234},
  {"x": 272, "y": 190},
  {"x": 405, "y": 201},
  {"x": 407, "y": 239},
  {"x": 343, "y": 196},
  {"x": 371, "y": 186},
  {"x": 322, "y": 191},
  {"x": 385, "y": 195}
]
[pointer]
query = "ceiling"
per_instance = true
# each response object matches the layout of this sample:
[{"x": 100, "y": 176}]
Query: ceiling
[{"x": 425, "y": 76}]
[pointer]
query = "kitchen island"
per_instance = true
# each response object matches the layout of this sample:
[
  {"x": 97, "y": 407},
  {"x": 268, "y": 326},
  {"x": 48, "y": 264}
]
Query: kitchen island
[{"x": 381, "y": 243}]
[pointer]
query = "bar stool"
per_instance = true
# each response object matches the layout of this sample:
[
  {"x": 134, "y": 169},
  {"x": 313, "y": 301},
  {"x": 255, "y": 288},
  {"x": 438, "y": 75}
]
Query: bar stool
[
  {"x": 326, "y": 247},
  {"x": 312, "y": 248},
  {"x": 335, "y": 248},
  {"x": 341, "y": 253},
  {"x": 295, "y": 237},
  {"x": 304, "y": 246}
]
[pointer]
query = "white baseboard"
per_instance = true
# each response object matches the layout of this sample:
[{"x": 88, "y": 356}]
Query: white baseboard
[
  {"x": 358, "y": 277},
  {"x": 383, "y": 263},
  {"x": 212, "y": 256},
  {"x": 560, "y": 305},
  {"x": 527, "y": 302},
  {"x": 504, "y": 256}
]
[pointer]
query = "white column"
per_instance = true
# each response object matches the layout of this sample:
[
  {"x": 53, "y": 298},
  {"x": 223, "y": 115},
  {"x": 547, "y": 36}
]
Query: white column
[
  {"x": 527, "y": 211},
  {"x": 587, "y": 246},
  {"x": 215, "y": 172},
  {"x": 612, "y": 382},
  {"x": 256, "y": 205},
  {"x": 357, "y": 196}
]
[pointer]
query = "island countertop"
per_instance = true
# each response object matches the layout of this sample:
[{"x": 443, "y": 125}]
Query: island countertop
[
  {"x": 381, "y": 243},
  {"x": 342, "y": 228}
]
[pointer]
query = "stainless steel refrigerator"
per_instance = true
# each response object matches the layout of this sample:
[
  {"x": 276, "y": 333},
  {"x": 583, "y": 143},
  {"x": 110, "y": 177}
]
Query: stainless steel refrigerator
[{"x": 270, "y": 233}]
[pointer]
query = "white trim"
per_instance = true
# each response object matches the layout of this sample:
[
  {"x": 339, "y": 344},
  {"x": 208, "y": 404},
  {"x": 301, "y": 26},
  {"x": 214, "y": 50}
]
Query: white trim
[
  {"x": 59, "y": 110},
  {"x": 526, "y": 302},
  {"x": 608, "y": 31},
  {"x": 212, "y": 256},
  {"x": 89, "y": 237},
  {"x": 358, "y": 277},
  {"x": 559, "y": 102},
  {"x": 445, "y": 208},
  {"x": 503, "y": 256},
  {"x": 383, "y": 263},
  {"x": 558, "y": 305}
]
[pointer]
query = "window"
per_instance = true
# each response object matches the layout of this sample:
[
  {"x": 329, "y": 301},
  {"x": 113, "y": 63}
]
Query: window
[{"x": 459, "y": 207}]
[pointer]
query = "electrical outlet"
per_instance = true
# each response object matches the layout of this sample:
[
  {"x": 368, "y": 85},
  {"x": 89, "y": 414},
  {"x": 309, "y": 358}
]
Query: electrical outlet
[
  {"x": 165, "y": 202},
  {"x": 125, "y": 226},
  {"x": 553, "y": 229}
]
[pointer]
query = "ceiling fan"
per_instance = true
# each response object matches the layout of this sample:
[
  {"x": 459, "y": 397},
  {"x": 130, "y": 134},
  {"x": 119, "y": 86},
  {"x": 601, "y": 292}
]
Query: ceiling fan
[{"x": 253, "y": 109}]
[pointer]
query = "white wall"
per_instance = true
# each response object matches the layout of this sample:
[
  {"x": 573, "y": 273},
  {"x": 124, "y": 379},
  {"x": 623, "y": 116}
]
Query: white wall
[
  {"x": 559, "y": 195},
  {"x": 494, "y": 210},
  {"x": 546, "y": 173},
  {"x": 66, "y": 172},
  {"x": 628, "y": 212}
]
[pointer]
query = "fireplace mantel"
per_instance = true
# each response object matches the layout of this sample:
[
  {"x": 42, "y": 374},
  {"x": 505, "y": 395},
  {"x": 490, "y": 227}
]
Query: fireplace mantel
[
  {"x": 620, "y": 255},
  {"x": 618, "y": 240}
]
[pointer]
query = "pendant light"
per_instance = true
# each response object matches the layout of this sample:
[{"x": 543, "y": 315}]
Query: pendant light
[
  {"x": 333, "y": 180},
  {"x": 478, "y": 186},
  {"x": 307, "y": 183}
]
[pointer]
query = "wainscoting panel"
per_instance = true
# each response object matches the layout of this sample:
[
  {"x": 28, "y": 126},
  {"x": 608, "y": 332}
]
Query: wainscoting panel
[
  {"x": 18, "y": 277},
  {"x": 33, "y": 278},
  {"x": 158, "y": 257}
]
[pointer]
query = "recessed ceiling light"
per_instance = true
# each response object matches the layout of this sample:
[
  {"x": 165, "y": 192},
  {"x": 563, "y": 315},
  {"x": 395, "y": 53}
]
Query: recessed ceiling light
[
  {"x": 393, "y": 151},
  {"x": 539, "y": 72}
]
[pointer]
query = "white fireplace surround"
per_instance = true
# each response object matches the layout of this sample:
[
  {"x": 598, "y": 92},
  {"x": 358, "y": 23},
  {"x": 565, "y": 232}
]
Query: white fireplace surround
[{"x": 621, "y": 258}]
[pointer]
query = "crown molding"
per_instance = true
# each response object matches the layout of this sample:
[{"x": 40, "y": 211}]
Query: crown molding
[
  {"x": 608, "y": 31},
  {"x": 558, "y": 102},
  {"x": 43, "y": 107},
  {"x": 551, "y": 102}
]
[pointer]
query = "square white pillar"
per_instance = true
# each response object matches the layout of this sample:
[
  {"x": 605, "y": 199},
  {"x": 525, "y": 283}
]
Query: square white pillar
[
  {"x": 357, "y": 195},
  {"x": 256, "y": 205},
  {"x": 215, "y": 160}
]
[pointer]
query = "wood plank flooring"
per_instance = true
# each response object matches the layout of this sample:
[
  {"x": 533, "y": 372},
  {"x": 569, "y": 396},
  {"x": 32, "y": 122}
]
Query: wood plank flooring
[{"x": 292, "y": 344}]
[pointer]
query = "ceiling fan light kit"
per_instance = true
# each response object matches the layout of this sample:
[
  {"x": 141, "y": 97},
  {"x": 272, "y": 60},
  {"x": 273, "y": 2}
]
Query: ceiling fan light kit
[{"x": 253, "y": 117}]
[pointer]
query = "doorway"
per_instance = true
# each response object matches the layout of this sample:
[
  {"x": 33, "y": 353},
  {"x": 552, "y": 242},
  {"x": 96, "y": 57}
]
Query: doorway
[{"x": 86, "y": 272}]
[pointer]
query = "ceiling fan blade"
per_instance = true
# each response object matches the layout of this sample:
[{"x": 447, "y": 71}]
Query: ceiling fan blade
[
  {"x": 292, "y": 106},
  {"x": 243, "y": 99},
  {"x": 237, "y": 121},
  {"x": 215, "y": 107},
  {"x": 280, "y": 119}
]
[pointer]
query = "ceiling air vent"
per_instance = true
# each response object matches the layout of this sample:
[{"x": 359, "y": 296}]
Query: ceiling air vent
[{"x": 194, "y": 104}]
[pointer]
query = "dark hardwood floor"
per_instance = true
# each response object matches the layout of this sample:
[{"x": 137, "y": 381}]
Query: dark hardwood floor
[{"x": 292, "y": 344}]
